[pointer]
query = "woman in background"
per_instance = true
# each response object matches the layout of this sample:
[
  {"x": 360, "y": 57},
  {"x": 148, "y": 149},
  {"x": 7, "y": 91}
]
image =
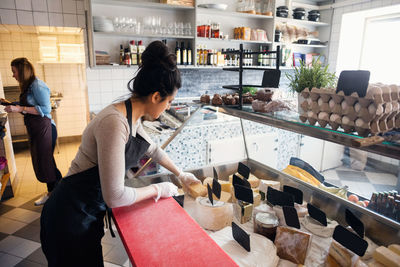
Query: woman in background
[{"x": 34, "y": 104}]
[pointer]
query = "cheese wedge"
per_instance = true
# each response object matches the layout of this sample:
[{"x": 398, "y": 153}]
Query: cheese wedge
[
  {"x": 254, "y": 181},
  {"x": 387, "y": 257},
  {"x": 225, "y": 185},
  {"x": 395, "y": 248},
  {"x": 197, "y": 190}
]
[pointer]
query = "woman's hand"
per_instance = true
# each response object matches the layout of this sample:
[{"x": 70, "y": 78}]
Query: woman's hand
[
  {"x": 188, "y": 178},
  {"x": 165, "y": 189},
  {"x": 12, "y": 108}
]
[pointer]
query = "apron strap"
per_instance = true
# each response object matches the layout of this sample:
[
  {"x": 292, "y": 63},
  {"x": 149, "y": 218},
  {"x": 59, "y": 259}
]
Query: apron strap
[
  {"x": 128, "y": 106},
  {"x": 109, "y": 221}
]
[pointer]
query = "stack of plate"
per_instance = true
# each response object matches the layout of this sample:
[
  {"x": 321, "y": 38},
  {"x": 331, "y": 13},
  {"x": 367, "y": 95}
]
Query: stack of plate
[{"x": 102, "y": 24}]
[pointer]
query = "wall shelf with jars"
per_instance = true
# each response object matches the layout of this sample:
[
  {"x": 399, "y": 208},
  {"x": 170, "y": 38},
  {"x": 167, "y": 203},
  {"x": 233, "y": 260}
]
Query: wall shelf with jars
[{"x": 252, "y": 23}]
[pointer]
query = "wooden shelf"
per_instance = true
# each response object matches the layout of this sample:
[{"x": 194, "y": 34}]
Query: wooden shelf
[
  {"x": 209, "y": 11},
  {"x": 302, "y": 22},
  {"x": 131, "y": 3},
  {"x": 128, "y": 34}
]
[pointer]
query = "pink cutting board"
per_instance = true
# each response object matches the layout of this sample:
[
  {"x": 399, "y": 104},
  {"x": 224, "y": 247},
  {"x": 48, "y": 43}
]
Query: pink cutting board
[{"x": 163, "y": 234}]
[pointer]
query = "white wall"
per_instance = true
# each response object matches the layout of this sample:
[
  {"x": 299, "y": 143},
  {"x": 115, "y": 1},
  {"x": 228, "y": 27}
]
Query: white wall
[{"x": 337, "y": 23}]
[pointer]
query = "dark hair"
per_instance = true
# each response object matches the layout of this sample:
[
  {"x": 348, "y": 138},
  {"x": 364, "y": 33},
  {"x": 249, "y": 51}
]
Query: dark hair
[
  {"x": 157, "y": 73},
  {"x": 26, "y": 72}
]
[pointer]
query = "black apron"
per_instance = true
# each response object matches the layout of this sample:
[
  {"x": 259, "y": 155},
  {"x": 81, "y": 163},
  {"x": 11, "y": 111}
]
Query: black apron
[
  {"x": 40, "y": 144},
  {"x": 72, "y": 223}
]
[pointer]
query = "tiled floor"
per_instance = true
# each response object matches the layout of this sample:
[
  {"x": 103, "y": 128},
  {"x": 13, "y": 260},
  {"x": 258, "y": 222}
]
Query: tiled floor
[
  {"x": 362, "y": 183},
  {"x": 20, "y": 218}
]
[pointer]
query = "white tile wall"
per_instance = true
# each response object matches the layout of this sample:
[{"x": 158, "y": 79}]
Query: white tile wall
[
  {"x": 40, "y": 18},
  {"x": 8, "y": 16},
  {"x": 54, "y": 6},
  {"x": 23, "y": 4},
  {"x": 69, "y": 6},
  {"x": 106, "y": 86},
  {"x": 56, "y": 19},
  {"x": 39, "y": 5},
  {"x": 7, "y": 4},
  {"x": 25, "y": 17}
]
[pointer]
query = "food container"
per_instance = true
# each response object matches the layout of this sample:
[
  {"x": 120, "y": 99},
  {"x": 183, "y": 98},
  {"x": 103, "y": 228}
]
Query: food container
[
  {"x": 278, "y": 35},
  {"x": 265, "y": 224},
  {"x": 313, "y": 15},
  {"x": 282, "y": 11},
  {"x": 299, "y": 13}
]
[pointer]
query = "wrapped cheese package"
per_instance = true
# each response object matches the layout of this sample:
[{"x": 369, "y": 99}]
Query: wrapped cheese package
[
  {"x": 292, "y": 244},
  {"x": 213, "y": 217},
  {"x": 262, "y": 253},
  {"x": 317, "y": 228}
]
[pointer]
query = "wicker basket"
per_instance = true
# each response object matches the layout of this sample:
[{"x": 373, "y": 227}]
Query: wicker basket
[{"x": 102, "y": 59}]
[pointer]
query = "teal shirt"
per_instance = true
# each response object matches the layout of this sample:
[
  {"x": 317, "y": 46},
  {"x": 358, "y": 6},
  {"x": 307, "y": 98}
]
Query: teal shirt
[{"x": 39, "y": 97}]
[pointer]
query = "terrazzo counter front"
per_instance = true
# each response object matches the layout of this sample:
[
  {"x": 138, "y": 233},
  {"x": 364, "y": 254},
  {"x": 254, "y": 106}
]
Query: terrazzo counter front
[{"x": 191, "y": 148}]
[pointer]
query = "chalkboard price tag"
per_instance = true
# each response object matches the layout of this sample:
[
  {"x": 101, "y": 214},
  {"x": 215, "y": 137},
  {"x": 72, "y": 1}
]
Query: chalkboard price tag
[
  {"x": 350, "y": 240},
  {"x": 244, "y": 193},
  {"x": 210, "y": 194},
  {"x": 216, "y": 188},
  {"x": 355, "y": 223},
  {"x": 317, "y": 214},
  {"x": 279, "y": 198},
  {"x": 241, "y": 236},
  {"x": 291, "y": 217},
  {"x": 298, "y": 194},
  {"x": 243, "y": 170}
]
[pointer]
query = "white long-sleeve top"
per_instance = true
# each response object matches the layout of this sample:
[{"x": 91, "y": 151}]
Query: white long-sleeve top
[{"x": 103, "y": 144}]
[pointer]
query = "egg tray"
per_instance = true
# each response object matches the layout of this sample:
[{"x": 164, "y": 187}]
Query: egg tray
[{"x": 377, "y": 112}]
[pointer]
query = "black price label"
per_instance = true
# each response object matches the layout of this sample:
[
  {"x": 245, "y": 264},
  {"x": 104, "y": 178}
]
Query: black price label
[
  {"x": 297, "y": 194},
  {"x": 317, "y": 214},
  {"x": 241, "y": 236},
  {"x": 350, "y": 240},
  {"x": 355, "y": 223},
  {"x": 243, "y": 170},
  {"x": 291, "y": 217},
  {"x": 243, "y": 193},
  {"x": 216, "y": 188}
]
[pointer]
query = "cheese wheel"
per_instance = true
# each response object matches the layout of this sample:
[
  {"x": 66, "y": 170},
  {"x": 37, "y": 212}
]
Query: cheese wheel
[
  {"x": 262, "y": 253},
  {"x": 317, "y": 228},
  {"x": 213, "y": 217}
]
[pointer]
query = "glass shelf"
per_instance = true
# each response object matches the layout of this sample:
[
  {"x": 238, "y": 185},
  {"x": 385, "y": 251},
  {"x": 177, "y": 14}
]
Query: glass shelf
[{"x": 289, "y": 120}]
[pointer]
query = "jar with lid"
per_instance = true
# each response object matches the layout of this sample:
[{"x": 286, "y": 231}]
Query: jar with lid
[
  {"x": 266, "y": 224},
  {"x": 266, "y": 8},
  {"x": 215, "y": 30}
]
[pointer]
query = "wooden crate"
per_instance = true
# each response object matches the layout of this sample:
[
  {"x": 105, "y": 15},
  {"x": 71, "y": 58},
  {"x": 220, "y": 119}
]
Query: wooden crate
[{"x": 178, "y": 2}]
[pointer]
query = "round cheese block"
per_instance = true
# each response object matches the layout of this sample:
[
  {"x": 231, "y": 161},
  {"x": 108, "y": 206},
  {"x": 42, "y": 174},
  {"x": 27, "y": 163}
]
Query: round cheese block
[
  {"x": 262, "y": 253},
  {"x": 213, "y": 217},
  {"x": 318, "y": 229}
]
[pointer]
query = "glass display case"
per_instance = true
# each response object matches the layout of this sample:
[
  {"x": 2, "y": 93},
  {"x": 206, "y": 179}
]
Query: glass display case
[{"x": 269, "y": 144}]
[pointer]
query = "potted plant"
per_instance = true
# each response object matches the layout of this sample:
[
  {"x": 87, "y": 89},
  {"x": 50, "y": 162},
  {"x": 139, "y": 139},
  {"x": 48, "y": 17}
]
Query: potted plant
[{"x": 309, "y": 76}]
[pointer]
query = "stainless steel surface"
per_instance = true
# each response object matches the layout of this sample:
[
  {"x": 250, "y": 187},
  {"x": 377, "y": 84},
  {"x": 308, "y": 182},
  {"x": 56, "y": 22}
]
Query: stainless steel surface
[
  {"x": 380, "y": 229},
  {"x": 386, "y": 149}
]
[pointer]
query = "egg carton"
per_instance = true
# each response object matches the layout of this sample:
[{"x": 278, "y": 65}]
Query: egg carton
[{"x": 377, "y": 112}]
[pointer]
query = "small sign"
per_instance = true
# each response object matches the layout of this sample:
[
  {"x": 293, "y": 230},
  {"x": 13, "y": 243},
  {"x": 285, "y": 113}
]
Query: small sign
[
  {"x": 350, "y": 240},
  {"x": 180, "y": 199},
  {"x": 355, "y": 223},
  {"x": 215, "y": 173},
  {"x": 244, "y": 193},
  {"x": 210, "y": 194},
  {"x": 291, "y": 217},
  {"x": 351, "y": 81},
  {"x": 297, "y": 194},
  {"x": 317, "y": 214},
  {"x": 216, "y": 188},
  {"x": 244, "y": 170},
  {"x": 241, "y": 236},
  {"x": 279, "y": 198},
  {"x": 237, "y": 180}
]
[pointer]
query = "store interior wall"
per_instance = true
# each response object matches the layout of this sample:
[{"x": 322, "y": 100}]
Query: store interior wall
[{"x": 69, "y": 79}]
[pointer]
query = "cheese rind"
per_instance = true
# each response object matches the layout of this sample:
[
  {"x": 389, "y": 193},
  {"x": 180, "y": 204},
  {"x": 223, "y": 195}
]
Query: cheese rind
[
  {"x": 340, "y": 254},
  {"x": 292, "y": 244},
  {"x": 395, "y": 248},
  {"x": 225, "y": 185},
  {"x": 387, "y": 257}
]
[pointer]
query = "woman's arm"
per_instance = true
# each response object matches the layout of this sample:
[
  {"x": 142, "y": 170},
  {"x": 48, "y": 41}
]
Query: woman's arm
[
  {"x": 18, "y": 108},
  {"x": 41, "y": 95},
  {"x": 111, "y": 137}
]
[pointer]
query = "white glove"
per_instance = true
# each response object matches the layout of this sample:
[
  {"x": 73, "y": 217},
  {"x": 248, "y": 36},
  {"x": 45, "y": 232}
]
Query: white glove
[
  {"x": 187, "y": 178},
  {"x": 165, "y": 189}
]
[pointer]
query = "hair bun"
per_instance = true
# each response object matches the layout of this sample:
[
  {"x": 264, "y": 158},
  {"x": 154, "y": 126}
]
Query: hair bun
[{"x": 157, "y": 55}]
